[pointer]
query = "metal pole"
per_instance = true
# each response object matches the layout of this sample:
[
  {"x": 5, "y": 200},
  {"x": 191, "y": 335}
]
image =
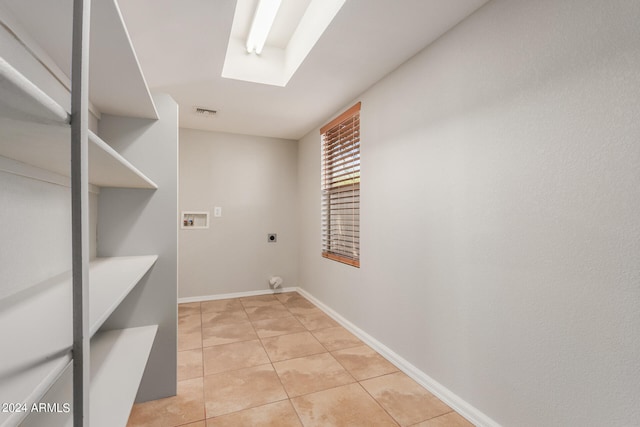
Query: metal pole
[{"x": 80, "y": 209}]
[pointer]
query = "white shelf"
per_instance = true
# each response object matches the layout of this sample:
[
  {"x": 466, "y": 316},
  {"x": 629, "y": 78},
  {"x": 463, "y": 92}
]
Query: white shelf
[
  {"x": 111, "y": 280},
  {"x": 29, "y": 386},
  {"x": 21, "y": 99},
  {"x": 118, "y": 359},
  {"x": 38, "y": 345},
  {"x": 48, "y": 148},
  {"x": 107, "y": 168},
  {"x": 34, "y": 130},
  {"x": 36, "y": 321},
  {"x": 116, "y": 83}
]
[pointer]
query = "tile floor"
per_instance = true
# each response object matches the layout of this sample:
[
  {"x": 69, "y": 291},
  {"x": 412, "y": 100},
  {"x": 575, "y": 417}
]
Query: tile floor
[{"x": 277, "y": 360}]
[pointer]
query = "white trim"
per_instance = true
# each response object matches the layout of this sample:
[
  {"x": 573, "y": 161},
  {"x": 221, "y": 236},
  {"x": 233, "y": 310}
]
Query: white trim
[
  {"x": 236, "y": 295},
  {"x": 22, "y": 169},
  {"x": 462, "y": 407}
]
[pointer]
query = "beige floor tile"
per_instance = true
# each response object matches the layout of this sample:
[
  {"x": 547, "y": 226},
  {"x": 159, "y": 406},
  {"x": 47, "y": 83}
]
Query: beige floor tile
[
  {"x": 315, "y": 319},
  {"x": 279, "y": 326},
  {"x": 283, "y": 297},
  {"x": 189, "y": 364},
  {"x": 221, "y": 305},
  {"x": 363, "y": 362},
  {"x": 186, "y": 407},
  {"x": 271, "y": 311},
  {"x": 227, "y": 333},
  {"x": 298, "y": 311},
  {"x": 406, "y": 401},
  {"x": 189, "y": 341},
  {"x": 259, "y": 301},
  {"x": 299, "y": 305},
  {"x": 214, "y": 318},
  {"x": 336, "y": 338},
  {"x": 452, "y": 419},
  {"x": 188, "y": 309},
  {"x": 294, "y": 299},
  {"x": 228, "y": 357},
  {"x": 189, "y": 322},
  {"x": 189, "y": 333},
  {"x": 279, "y": 414},
  {"x": 311, "y": 373},
  {"x": 347, "y": 406},
  {"x": 237, "y": 390},
  {"x": 197, "y": 424},
  {"x": 291, "y": 346}
]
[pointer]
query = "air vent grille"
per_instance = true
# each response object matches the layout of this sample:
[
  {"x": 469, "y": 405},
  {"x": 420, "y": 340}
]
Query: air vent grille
[{"x": 205, "y": 112}]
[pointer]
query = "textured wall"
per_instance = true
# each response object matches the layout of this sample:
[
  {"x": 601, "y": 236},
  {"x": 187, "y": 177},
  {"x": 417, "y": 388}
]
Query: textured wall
[
  {"x": 253, "y": 179},
  {"x": 500, "y": 228}
]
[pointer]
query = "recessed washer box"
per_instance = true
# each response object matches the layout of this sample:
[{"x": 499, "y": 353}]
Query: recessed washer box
[{"x": 191, "y": 220}]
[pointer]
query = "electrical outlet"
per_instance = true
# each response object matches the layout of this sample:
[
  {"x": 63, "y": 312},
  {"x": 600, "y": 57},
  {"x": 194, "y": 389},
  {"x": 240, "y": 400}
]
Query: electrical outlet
[{"x": 217, "y": 211}]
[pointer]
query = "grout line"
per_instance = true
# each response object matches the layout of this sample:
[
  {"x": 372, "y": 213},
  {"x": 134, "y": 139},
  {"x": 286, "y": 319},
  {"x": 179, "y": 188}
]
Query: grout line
[
  {"x": 289, "y": 398},
  {"x": 378, "y": 403},
  {"x": 323, "y": 390},
  {"x": 295, "y": 411},
  {"x": 204, "y": 400},
  {"x": 278, "y": 375},
  {"x": 272, "y": 366},
  {"x": 437, "y": 416},
  {"x": 236, "y": 370},
  {"x": 245, "y": 409}
]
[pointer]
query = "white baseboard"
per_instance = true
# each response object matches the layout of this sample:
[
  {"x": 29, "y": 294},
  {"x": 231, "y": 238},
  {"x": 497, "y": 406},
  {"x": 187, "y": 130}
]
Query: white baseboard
[
  {"x": 456, "y": 403},
  {"x": 236, "y": 295}
]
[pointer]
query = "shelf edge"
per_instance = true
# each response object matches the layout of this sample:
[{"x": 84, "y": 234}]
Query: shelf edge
[
  {"x": 41, "y": 389},
  {"x": 102, "y": 145},
  {"x": 52, "y": 112},
  {"x": 118, "y": 350},
  {"x": 98, "y": 322}
]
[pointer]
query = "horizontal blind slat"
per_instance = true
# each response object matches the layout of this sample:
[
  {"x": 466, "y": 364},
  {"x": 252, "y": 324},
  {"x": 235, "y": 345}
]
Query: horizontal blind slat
[{"x": 340, "y": 205}]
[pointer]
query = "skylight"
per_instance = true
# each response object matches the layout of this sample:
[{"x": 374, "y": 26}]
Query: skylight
[{"x": 295, "y": 31}]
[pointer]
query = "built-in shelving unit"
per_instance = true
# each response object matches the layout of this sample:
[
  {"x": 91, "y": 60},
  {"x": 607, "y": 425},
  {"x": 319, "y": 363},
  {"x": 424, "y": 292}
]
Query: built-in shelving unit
[
  {"x": 118, "y": 359},
  {"x": 30, "y": 366},
  {"x": 22, "y": 100},
  {"x": 116, "y": 83},
  {"x": 34, "y": 130},
  {"x": 35, "y": 135},
  {"x": 111, "y": 280}
]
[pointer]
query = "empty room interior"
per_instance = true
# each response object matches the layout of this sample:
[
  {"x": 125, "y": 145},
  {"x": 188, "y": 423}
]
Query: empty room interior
[{"x": 320, "y": 213}]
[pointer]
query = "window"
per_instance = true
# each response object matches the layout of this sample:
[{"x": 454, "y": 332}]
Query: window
[{"x": 341, "y": 188}]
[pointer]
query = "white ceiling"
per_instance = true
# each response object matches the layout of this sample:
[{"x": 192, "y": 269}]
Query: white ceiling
[{"x": 181, "y": 47}]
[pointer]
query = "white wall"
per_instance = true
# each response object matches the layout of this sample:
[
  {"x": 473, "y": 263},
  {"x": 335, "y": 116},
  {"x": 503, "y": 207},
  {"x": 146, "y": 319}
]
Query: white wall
[
  {"x": 35, "y": 246},
  {"x": 35, "y": 235},
  {"x": 253, "y": 179},
  {"x": 500, "y": 228}
]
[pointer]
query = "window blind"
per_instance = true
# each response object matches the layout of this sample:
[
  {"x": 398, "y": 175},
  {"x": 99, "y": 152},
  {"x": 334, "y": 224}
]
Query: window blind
[{"x": 341, "y": 188}]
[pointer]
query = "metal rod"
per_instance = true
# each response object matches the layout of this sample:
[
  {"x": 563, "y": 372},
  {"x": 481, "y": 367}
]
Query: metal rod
[{"x": 80, "y": 209}]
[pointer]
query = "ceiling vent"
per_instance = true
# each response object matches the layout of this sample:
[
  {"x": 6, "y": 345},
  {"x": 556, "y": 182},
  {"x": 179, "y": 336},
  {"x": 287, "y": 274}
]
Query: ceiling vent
[{"x": 205, "y": 112}]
